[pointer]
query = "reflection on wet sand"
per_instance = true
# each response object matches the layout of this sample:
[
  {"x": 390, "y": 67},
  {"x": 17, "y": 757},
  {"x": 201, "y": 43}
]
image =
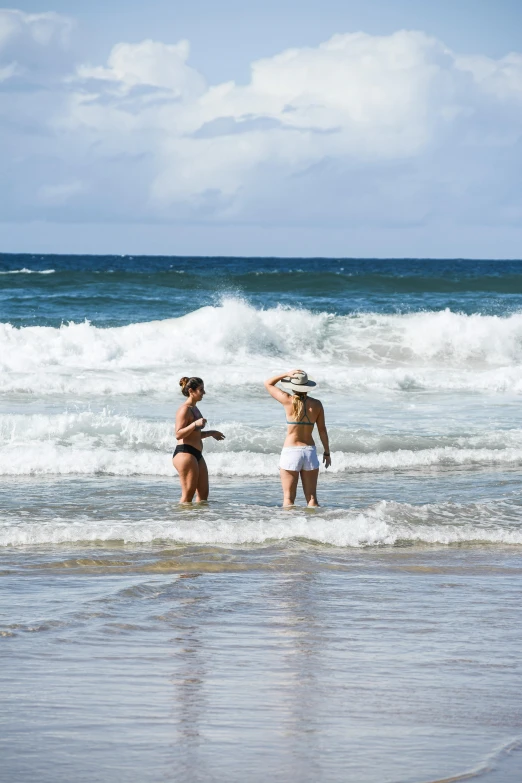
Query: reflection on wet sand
[{"x": 374, "y": 666}]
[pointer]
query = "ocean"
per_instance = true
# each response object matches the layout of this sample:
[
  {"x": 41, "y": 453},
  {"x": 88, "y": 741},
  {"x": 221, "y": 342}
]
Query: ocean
[{"x": 376, "y": 639}]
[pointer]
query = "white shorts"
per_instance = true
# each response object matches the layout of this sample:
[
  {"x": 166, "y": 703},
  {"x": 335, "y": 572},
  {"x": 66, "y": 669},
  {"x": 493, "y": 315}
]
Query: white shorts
[{"x": 299, "y": 458}]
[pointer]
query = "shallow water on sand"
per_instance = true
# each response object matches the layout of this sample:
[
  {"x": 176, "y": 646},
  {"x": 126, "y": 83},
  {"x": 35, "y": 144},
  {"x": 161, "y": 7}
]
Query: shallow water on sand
[
  {"x": 285, "y": 645},
  {"x": 289, "y": 662}
]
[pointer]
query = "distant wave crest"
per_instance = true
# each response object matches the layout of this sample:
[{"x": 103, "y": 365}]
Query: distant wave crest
[{"x": 25, "y": 271}]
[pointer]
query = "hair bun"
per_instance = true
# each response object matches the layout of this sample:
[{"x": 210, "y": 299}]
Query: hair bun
[{"x": 189, "y": 385}]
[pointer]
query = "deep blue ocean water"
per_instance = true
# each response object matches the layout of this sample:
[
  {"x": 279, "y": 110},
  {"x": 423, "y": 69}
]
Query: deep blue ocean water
[{"x": 111, "y": 290}]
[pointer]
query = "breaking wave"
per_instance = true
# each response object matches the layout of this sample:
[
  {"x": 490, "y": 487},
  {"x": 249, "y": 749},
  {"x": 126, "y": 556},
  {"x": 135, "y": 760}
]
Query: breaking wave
[
  {"x": 105, "y": 443},
  {"x": 385, "y": 523},
  {"x": 235, "y": 343}
]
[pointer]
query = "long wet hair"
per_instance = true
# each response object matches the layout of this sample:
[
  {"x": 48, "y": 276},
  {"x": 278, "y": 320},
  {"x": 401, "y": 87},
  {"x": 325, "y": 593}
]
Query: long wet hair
[
  {"x": 298, "y": 405},
  {"x": 189, "y": 384}
]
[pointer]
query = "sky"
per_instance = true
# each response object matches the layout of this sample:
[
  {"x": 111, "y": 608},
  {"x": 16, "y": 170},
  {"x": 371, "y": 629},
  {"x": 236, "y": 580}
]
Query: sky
[{"x": 384, "y": 128}]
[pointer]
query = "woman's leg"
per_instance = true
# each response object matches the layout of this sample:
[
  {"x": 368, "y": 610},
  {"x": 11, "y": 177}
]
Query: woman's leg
[
  {"x": 309, "y": 480},
  {"x": 289, "y": 479},
  {"x": 202, "y": 487},
  {"x": 187, "y": 467}
]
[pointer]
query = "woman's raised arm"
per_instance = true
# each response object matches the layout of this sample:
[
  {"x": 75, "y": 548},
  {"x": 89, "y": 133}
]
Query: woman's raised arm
[{"x": 278, "y": 394}]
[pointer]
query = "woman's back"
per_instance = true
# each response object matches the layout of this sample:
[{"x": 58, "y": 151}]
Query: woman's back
[{"x": 299, "y": 431}]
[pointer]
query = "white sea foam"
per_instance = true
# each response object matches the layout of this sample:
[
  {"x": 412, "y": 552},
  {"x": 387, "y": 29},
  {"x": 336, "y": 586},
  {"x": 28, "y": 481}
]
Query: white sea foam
[
  {"x": 25, "y": 271},
  {"x": 106, "y": 443},
  {"x": 117, "y": 431},
  {"x": 383, "y": 524},
  {"x": 55, "y": 459},
  {"x": 235, "y": 343}
]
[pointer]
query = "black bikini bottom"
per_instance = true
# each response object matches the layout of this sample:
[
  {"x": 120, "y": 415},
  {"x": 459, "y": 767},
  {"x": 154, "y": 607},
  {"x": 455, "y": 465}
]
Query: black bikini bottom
[{"x": 188, "y": 450}]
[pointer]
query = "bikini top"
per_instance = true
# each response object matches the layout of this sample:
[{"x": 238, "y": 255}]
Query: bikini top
[
  {"x": 191, "y": 409},
  {"x": 302, "y": 421}
]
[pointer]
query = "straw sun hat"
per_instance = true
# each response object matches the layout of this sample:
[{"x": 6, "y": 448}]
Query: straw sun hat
[{"x": 298, "y": 382}]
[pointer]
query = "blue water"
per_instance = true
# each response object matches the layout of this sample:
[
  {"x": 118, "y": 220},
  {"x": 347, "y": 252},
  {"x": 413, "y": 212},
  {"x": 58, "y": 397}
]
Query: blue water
[{"x": 111, "y": 290}]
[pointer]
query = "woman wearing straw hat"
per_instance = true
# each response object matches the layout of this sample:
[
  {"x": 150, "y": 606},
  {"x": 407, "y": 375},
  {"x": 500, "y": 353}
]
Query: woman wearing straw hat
[{"x": 299, "y": 455}]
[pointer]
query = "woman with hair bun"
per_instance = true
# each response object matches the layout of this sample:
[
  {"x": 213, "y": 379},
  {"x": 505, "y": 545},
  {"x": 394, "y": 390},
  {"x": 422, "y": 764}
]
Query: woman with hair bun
[
  {"x": 188, "y": 455},
  {"x": 299, "y": 455}
]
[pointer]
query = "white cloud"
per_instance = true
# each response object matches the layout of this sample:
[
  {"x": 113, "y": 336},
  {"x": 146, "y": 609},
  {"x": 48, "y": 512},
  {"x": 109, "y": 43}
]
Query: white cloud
[
  {"x": 29, "y": 43},
  {"x": 361, "y": 128},
  {"x": 43, "y": 29},
  {"x": 354, "y": 98},
  {"x": 357, "y": 99},
  {"x": 501, "y": 78},
  {"x": 149, "y": 63}
]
